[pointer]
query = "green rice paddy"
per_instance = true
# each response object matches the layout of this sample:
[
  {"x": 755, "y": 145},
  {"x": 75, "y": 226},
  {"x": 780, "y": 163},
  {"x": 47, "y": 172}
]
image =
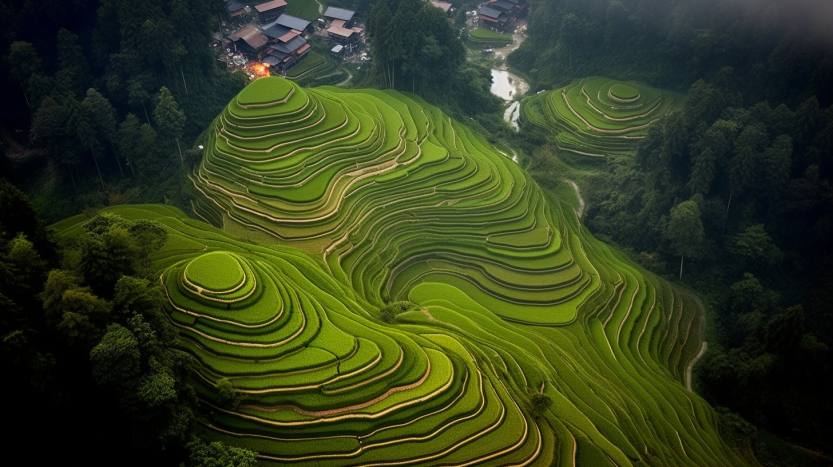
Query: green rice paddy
[
  {"x": 487, "y": 38},
  {"x": 353, "y": 199},
  {"x": 598, "y": 117}
]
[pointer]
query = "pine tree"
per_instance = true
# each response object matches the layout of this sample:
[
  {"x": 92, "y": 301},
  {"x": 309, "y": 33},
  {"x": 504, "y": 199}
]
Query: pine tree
[{"x": 169, "y": 118}]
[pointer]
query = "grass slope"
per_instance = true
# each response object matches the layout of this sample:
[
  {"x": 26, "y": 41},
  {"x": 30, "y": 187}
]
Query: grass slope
[
  {"x": 307, "y": 9},
  {"x": 487, "y": 38},
  {"x": 361, "y": 198},
  {"x": 597, "y": 117}
]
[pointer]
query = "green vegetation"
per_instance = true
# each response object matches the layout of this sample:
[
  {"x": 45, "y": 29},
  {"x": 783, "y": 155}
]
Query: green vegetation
[
  {"x": 673, "y": 43},
  {"x": 733, "y": 190},
  {"x": 362, "y": 205},
  {"x": 318, "y": 68},
  {"x": 105, "y": 111},
  {"x": 482, "y": 37},
  {"x": 415, "y": 49},
  {"x": 85, "y": 331},
  {"x": 736, "y": 194},
  {"x": 598, "y": 117},
  {"x": 314, "y": 63},
  {"x": 374, "y": 282},
  {"x": 307, "y": 9}
]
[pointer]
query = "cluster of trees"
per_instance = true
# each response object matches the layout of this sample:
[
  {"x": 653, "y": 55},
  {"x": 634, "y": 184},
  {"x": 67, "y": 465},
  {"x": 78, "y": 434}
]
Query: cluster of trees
[
  {"x": 735, "y": 189},
  {"x": 746, "y": 193},
  {"x": 675, "y": 42},
  {"x": 89, "y": 348},
  {"x": 114, "y": 88},
  {"x": 416, "y": 49}
]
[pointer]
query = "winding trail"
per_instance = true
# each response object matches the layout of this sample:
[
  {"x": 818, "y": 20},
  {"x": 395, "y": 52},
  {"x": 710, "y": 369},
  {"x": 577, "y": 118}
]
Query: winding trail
[
  {"x": 689, "y": 369},
  {"x": 346, "y": 80}
]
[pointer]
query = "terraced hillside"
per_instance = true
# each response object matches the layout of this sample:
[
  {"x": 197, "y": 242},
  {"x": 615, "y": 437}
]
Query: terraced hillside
[
  {"x": 378, "y": 184},
  {"x": 363, "y": 201},
  {"x": 598, "y": 117}
]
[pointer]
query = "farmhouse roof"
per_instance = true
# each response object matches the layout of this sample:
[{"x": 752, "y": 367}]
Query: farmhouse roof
[
  {"x": 339, "y": 13},
  {"x": 337, "y": 28},
  {"x": 489, "y": 12},
  {"x": 269, "y": 6},
  {"x": 502, "y": 5},
  {"x": 290, "y": 46},
  {"x": 272, "y": 60},
  {"x": 275, "y": 30},
  {"x": 251, "y": 35},
  {"x": 292, "y": 22},
  {"x": 292, "y": 34}
]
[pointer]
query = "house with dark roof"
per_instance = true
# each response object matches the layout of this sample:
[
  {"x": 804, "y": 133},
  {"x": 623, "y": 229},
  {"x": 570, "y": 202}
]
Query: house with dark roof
[
  {"x": 503, "y": 5},
  {"x": 249, "y": 40},
  {"x": 270, "y": 10},
  {"x": 275, "y": 30},
  {"x": 492, "y": 18},
  {"x": 286, "y": 52},
  {"x": 335, "y": 14},
  {"x": 514, "y": 8},
  {"x": 293, "y": 22}
]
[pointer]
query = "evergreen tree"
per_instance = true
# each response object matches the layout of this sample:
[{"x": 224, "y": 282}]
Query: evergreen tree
[
  {"x": 73, "y": 69},
  {"x": 685, "y": 231},
  {"x": 24, "y": 61},
  {"x": 101, "y": 116},
  {"x": 169, "y": 118}
]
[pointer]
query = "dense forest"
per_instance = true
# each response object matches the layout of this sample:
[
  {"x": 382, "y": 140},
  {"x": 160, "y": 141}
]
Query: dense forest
[
  {"x": 85, "y": 334},
  {"x": 101, "y": 102},
  {"x": 778, "y": 50},
  {"x": 732, "y": 194},
  {"x": 416, "y": 49},
  {"x": 742, "y": 196},
  {"x": 115, "y": 92}
]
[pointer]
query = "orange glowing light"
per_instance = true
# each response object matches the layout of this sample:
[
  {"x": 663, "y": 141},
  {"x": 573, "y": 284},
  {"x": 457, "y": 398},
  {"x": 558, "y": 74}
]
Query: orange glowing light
[{"x": 260, "y": 70}]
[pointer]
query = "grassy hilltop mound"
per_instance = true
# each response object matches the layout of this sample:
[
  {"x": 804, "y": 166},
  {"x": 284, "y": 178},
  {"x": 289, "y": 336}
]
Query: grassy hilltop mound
[
  {"x": 368, "y": 201},
  {"x": 598, "y": 117}
]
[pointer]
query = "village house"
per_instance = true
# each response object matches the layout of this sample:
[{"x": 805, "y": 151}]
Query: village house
[
  {"x": 521, "y": 7},
  {"x": 341, "y": 34},
  {"x": 288, "y": 43},
  {"x": 269, "y": 11},
  {"x": 332, "y": 14},
  {"x": 301, "y": 25},
  {"x": 248, "y": 40},
  {"x": 513, "y": 8},
  {"x": 285, "y": 52},
  {"x": 492, "y": 18}
]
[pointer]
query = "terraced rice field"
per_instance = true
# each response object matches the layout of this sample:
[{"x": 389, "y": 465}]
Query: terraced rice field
[
  {"x": 315, "y": 69},
  {"x": 482, "y": 37},
  {"x": 598, "y": 117},
  {"x": 351, "y": 200}
]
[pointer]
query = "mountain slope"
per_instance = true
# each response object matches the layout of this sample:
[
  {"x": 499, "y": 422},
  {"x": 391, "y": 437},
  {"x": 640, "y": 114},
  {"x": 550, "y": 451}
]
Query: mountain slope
[{"x": 357, "y": 201}]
